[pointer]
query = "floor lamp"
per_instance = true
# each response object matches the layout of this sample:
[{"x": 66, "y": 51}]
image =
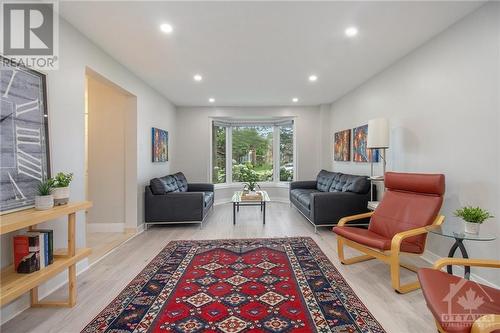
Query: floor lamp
[{"x": 378, "y": 138}]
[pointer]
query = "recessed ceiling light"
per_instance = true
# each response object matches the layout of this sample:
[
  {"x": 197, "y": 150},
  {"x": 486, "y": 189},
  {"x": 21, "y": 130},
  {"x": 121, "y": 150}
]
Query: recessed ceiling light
[
  {"x": 211, "y": 100},
  {"x": 166, "y": 28},
  {"x": 198, "y": 77},
  {"x": 313, "y": 78},
  {"x": 351, "y": 31},
  {"x": 295, "y": 99}
]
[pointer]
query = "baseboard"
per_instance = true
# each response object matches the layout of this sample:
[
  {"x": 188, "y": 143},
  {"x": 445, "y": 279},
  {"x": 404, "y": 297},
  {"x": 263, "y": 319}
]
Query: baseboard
[
  {"x": 136, "y": 231},
  {"x": 431, "y": 258},
  {"x": 105, "y": 227}
]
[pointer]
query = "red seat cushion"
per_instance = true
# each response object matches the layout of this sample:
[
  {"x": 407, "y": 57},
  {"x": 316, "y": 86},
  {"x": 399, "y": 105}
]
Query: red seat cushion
[
  {"x": 448, "y": 294},
  {"x": 372, "y": 239}
]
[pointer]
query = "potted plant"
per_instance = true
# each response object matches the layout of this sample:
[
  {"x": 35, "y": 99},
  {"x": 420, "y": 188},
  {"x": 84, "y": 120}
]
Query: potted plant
[
  {"x": 249, "y": 177},
  {"x": 44, "y": 199},
  {"x": 60, "y": 188},
  {"x": 473, "y": 217}
]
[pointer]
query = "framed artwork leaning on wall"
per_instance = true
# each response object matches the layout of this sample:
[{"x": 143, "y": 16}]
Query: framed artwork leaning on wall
[{"x": 24, "y": 135}]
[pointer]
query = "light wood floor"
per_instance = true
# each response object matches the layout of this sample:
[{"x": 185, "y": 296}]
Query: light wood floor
[
  {"x": 102, "y": 243},
  {"x": 103, "y": 281}
]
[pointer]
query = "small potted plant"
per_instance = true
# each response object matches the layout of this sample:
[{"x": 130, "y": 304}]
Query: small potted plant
[
  {"x": 44, "y": 199},
  {"x": 60, "y": 188},
  {"x": 249, "y": 178},
  {"x": 473, "y": 217}
]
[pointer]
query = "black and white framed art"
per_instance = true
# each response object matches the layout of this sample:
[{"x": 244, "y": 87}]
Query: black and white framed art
[{"x": 24, "y": 137}]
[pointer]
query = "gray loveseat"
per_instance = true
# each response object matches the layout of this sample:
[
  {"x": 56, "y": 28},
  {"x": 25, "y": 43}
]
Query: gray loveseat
[
  {"x": 171, "y": 199},
  {"x": 330, "y": 197}
]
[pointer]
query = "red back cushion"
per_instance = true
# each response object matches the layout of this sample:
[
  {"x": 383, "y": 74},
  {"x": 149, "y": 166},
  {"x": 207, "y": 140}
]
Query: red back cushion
[{"x": 411, "y": 201}]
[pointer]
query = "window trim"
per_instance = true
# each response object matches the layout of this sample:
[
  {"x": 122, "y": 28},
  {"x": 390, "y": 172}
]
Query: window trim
[{"x": 229, "y": 123}]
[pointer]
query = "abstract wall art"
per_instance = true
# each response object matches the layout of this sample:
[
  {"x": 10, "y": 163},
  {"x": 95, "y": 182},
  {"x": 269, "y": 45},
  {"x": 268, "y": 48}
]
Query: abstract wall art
[
  {"x": 359, "y": 146},
  {"x": 342, "y": 146},
  {"x": 160, "y": 145}
]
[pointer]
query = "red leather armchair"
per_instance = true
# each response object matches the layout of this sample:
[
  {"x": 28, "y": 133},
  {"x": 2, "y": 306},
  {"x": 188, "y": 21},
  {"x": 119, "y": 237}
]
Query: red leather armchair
[
  {"x": 399, "y": 225},
  {"x": 459, "y": 305}
]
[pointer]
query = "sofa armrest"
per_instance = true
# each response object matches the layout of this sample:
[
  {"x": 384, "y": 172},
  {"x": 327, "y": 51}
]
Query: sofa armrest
[
  {"x": 306, "y": 184},
  {"x": 173, "y": 206},
  {"x": 330, "y": 207},
  {"x": 200, "y": 187}
]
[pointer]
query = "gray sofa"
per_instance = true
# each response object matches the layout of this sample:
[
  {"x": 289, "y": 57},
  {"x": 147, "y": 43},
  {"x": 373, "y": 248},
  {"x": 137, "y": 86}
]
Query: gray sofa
[
  {"x": 171, "y": 199},
  {"x": 330, "y": 197}
]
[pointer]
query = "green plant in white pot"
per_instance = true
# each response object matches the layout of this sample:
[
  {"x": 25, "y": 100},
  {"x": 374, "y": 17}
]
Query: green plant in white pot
[
  {"x": 473, "y": 217},
  {"x": 60, "y": 188},
  {"x": 44, "y": 199}
]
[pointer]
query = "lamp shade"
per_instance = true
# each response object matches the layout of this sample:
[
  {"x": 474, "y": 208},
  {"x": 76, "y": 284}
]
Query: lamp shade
[{"x": 378, "y": 133}]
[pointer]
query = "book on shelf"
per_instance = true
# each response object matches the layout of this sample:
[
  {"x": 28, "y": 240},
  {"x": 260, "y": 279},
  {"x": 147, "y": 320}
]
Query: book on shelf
[
  {"x": 49, "y": 244},
  {"x": 33, "y": 250},
  {"x": 41, "y": 247},
  {"x": 26, "y": 253}
]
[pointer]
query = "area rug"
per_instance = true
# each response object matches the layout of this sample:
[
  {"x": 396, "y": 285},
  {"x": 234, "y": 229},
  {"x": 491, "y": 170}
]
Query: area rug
[{"x": 231, "y": 286}]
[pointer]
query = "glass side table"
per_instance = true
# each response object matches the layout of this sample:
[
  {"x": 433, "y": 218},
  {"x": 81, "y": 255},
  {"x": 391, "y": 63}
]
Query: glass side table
[{"x": 456, "y": 231}]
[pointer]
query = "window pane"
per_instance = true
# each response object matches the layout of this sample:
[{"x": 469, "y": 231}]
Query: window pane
[
  {"x": 286, "y": 153},
  {"x": 252, "y": 153},
  {"x": 218, "y": 154}
]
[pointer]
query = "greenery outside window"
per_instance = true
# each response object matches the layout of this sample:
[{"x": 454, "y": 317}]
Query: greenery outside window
[
  {"x": 218, "y": 154},
  {"x": 264, "y": 148}
]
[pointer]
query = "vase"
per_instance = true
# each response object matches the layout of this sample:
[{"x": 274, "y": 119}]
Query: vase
[
  {"x": 472, "y": 228},
  {"x": 44, "y": 202},
  {"x": 61, "y": 195}
]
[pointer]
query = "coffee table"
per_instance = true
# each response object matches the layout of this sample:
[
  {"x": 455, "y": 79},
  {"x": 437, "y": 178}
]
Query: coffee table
[
  {"x": 238, "y": 201},
  {"x": 456, "y": 231}
]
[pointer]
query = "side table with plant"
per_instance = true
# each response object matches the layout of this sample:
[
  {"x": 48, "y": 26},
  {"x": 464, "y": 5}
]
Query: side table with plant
[{"x": 473, "y": 218}]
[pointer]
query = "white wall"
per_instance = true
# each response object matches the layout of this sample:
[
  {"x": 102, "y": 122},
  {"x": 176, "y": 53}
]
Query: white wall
[
  {"x": 193, "y": 140},
  {"x": 66, "y": 104},
  {"x": 443, "y": 105},
  {"x": 107, "y": 108}
]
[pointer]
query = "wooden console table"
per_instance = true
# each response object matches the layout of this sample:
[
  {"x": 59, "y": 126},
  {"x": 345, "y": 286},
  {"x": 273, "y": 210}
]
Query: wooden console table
[{"x": 13, "y": 285}]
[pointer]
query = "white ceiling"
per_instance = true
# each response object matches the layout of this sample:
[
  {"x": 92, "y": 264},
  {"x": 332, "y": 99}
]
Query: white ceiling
[{"x": 259, "y": 53}]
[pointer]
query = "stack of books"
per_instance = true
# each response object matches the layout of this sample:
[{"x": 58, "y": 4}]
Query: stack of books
[{"x": 33, "y": 250}]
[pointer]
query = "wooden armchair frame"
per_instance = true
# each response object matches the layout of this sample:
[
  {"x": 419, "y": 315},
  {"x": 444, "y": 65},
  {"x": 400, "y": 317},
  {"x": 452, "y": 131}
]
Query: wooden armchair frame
[
  {"x": 487, "y": 323},
  {"x": 390, "y": 257}
]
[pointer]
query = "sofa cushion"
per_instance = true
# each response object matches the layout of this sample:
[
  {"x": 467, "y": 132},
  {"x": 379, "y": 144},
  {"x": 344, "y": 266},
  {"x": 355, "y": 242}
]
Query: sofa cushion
[
  {"x": 303, "y": 196},
  {"x": 169, "y": 184},
  {"x": 324, "y": 180},
  {"x": 208, "y": 197},
  {"x": 156, "y": 186},
  {"x": 350, "y": 183},
  {"x": 182, "y": 182}
]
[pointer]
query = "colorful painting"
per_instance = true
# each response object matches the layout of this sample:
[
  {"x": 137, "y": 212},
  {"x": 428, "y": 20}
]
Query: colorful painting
[
  {"x": 359, "y": 146},
  {"x": 160, "y": 145},
  {"x": 342, "y": 146}
]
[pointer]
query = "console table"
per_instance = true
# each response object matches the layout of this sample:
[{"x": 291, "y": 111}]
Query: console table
[{"x": 13, "y": 285}]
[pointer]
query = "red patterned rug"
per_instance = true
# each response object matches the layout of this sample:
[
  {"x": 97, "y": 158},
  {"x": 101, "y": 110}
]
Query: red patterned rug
[{"x": 231, "y": 286}]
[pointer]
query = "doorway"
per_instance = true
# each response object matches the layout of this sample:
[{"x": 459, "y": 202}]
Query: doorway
[{"x": 111, "y": 164}]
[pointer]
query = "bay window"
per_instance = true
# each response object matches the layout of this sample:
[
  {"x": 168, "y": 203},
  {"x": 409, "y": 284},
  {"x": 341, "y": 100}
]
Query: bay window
[{"x": 263, "y": 148}]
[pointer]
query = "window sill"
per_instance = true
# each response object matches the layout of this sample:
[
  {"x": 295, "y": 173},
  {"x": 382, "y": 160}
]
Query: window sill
[{"x": 264, "y": 185}]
